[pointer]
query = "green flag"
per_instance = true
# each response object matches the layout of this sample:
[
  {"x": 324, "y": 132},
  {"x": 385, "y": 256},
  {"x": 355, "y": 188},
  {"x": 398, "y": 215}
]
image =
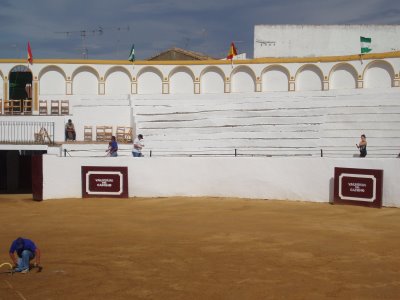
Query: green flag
[
  {"x": 132, "y": 53},
  {"x": 365, "y": 44}
]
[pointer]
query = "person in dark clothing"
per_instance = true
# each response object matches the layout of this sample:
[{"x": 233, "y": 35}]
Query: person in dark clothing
[
  {"x": 26, "y": 251},
  {"x": 362, "y": 146},
  {"x": 70, "y": 133},
  {"x": 112, "y": 147}
]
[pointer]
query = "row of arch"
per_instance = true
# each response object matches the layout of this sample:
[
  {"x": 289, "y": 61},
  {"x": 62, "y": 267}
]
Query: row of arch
[{"x": 150, "y": 80}]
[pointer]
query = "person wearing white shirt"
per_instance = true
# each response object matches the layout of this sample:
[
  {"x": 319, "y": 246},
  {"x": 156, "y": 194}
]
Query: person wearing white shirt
[{"x": 138, "y": 144}]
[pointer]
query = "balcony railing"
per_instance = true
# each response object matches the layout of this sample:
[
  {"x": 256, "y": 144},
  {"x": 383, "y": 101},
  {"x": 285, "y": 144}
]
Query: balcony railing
[{"x": 20, "y": 132}]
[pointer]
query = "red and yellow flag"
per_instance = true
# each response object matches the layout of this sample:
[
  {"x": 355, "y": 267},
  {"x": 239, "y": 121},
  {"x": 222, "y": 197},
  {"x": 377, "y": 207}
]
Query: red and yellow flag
[
  {"x": 232, "y": 51},
  {"x": 30, "y": 57}
]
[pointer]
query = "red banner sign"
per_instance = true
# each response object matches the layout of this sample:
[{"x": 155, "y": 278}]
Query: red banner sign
[
  {"x": 104, "y": 182},
  {"x": 358, "y": 186}
]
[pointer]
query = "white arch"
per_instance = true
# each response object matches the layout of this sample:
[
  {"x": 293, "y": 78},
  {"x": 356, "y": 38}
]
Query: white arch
[
  {"x": 275, "y": 78},
  {"x": 85, "y": 81},
  {"x": 343, "y": 76},
  {"x": 181, "y": 81},
  {"x": 149, "y": 81},
  {"x": 51, "y": 68},
  {"x": 52, "y": 81},
  {"x": 378, "y": 74},
  {"x": 86, "y": 69},
  {"x": 117, "y": 81},
  {"x": 19, "y": 68},
  {"x": 243, "y": 80},
  {"x": 212, "y": 80},
  {"x": 309, "y": 78}
]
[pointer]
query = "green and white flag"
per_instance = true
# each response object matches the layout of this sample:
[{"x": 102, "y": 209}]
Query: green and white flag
[
  {"x": 365, "y": 44},
  {"x": 132, "y": 53}
]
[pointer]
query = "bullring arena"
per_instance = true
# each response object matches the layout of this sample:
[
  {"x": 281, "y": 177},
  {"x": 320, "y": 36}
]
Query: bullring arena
[
  {"x": 202, "y": 248},
  {"x": 239, "y": 193}
]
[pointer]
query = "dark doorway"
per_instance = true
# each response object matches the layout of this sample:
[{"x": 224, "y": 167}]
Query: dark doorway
[
  {"x": 16, "y": 171},
  {"x": 20, "y": 83}
]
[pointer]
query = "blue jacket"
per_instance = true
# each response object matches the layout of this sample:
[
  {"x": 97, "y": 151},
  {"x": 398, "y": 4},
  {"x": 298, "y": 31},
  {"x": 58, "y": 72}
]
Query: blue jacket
[{"x": 21, "y": 244}]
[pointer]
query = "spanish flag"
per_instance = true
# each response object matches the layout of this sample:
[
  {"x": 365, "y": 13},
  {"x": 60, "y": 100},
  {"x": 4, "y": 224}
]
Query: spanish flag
[
  {"x": 30, "y": 57},
  {"x": 232, "y": 51}
]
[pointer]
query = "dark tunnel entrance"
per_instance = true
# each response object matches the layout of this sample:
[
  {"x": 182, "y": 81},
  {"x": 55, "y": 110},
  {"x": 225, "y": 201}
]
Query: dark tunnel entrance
[{"x": 16, "y": 171}]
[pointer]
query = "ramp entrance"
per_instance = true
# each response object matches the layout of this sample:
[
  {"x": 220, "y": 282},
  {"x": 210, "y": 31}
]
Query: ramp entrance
[{"x": 16, "y": 171}]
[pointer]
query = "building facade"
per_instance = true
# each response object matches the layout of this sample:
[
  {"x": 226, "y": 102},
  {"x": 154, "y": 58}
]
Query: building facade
[
  {"x": 67, "y": 78},
  {"x": 322, "y": 40}
]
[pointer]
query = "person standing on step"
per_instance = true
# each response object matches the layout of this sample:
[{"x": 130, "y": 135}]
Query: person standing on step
[
  {"x": 138, "y": 144},
  {"x": 362, "y": 146}
]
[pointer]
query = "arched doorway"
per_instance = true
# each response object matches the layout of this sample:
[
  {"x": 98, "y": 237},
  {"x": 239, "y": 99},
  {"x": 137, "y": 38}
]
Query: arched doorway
[{"x": 20, "y": 83}]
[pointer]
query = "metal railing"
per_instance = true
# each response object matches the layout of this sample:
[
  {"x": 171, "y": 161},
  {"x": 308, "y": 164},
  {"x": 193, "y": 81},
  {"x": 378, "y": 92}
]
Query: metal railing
[
  {"x": 21, "y": 132},
  {"x": 343, "y": 152},
  {"x": 209, "y": 152},
  {"x": 382, "y": 151}
]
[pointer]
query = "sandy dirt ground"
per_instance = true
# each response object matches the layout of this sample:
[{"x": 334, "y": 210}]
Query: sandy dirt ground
[{"x": 202, "y": 248}]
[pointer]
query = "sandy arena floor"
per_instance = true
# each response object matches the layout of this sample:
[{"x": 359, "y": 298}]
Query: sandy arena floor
[{"x": 202, "y": 248}]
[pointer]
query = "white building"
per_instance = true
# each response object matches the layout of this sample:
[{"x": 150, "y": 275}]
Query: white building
[
  {"x": 277, "y": 106},
  {"x": 322, "y": 40},
  {"x": 225, "y": 106}
]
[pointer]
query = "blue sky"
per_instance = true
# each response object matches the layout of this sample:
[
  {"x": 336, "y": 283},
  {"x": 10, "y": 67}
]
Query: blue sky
[{"x": 206, "y": 26}]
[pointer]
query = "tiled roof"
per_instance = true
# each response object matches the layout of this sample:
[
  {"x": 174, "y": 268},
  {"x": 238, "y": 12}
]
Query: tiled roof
[{"x": 190, "y": 54}]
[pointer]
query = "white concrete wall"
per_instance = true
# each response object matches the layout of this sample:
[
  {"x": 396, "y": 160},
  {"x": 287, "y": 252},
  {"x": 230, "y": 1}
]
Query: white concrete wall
[
  {"x": 267, "y": 124},
  {"x": 279, "y": 123},
  {"x": 302, "y": 179},
  {"x": 101, "y": 111},
  {"x": 322, "y": 40}
]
